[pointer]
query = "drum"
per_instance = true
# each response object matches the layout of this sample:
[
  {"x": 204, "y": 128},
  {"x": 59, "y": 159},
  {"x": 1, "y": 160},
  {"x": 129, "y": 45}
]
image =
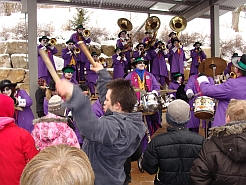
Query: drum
[
  {"x": 150, "y": 103},
  {"x": 204, "y": 107}
]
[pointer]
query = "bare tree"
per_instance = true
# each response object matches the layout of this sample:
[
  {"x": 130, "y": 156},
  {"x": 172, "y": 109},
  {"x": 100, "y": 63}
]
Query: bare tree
[
  {"x": 5, "y": 33},
  {"x": 20, "y": 31},
  {"x": 45, "y": 29},
  {"x": 98, "y": 34},
  {"x": 8, "y": 8},
  {"x": 163, "y": 35}
]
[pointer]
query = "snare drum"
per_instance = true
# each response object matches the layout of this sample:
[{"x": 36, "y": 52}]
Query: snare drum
[
  {"x": 149, "y": 103},
  {"x": 204, "y": 107}
]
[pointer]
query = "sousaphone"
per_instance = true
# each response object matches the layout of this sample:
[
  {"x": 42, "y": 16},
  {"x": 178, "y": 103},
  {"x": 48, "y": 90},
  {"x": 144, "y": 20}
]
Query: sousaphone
[
  {"x": 124, "y": 24},
  {"x": 152, "y": 24},
  {"x": 178, "y": 24}
]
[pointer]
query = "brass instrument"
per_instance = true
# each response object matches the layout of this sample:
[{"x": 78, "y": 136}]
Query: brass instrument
[
  {"x": 52, "y": 41},
  {"x": 76, "y": 50},
  {"x": 126, "y": 25},
  {"x": 178, "y": 24},
  {"x": 101, "y": 60},
  {"x": 232, "y": 74},
  {"x": 86, "y": 33},
  {"x": 152, "y": 24}
]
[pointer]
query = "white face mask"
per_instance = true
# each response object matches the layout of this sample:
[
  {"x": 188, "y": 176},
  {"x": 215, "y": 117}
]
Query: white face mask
[{"x": 7, "y": 91}]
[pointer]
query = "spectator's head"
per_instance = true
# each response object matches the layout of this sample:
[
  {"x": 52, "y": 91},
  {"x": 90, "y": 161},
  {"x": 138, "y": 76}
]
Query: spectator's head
[
  {"x": 240, "y": 65},
  {"x": 55, "y": 106},
  {"x": 7, "y": 87},
  {"x": 58, "y": 165},
  {"x": 42, "y": 82},
  {"x": 178, "y": 113},
  {"x": 68, "y": 71},
  {"x": 6, "y": 106},
  {"x": 120, "y": 96},
  {"x": 236, "y": 111},
  {"x": 85, "y": 89}
]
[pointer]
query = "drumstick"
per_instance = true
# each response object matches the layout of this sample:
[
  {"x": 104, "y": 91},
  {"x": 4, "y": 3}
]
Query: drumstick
[
  {"x": 49, "y": 65},
  {"x": 86, "y": 52}
]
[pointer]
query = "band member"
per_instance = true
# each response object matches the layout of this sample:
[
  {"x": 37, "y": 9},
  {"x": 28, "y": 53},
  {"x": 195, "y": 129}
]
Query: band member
[
  {"x": 174, "y": 84},
  {"x": 178, "y": 60},
  {"x": 125, "y": 44},
  {"x": 23, "y": 102},
  {"x": 231, "y": 88},
  {"x": 169, "y": 43},
  {"x": 80, "y": 35},
  {"x": 142, "y": 79},
  {"x": 68, "y": 72},
  {"x": 229, "y": 69},
  {"x": 159, "y": 67},
  {"x": 51, "y": 50},
  {"x": 197, "y": 55},
  {"x": 91, "y": 76},
  {"x": 141, "y": 52},
  {"x": 119, "y": 63},
  {"x": 193, "y": 91},
  {"x": 70, "y": 56}
]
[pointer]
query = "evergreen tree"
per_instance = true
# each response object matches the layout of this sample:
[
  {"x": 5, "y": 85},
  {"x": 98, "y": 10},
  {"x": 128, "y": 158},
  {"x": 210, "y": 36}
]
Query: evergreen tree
[{"x": 81, "y": 17}]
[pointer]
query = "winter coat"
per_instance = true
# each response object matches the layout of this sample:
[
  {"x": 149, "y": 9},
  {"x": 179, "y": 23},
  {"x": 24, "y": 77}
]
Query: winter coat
[
  {"x": 222, "y": 159},
  {"x": 170, "y": 155},
  {"x": 17, "y": 148},
  {"x": 108, "y": 141},
  {"x": 53, "y": 130}
]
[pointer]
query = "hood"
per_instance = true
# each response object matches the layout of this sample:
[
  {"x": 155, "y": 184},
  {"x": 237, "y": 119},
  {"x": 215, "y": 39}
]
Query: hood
[
  {"x": 231, "y": 139},
  {"x": 6, "y": 106},
  {"x": 50, "y": 129},
  {"x": 4, "y": 121}
]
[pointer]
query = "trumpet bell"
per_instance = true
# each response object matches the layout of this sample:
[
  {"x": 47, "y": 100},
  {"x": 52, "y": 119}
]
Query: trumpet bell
[
  {"x": 77, "y": 50},
  {"x": 53, "y": 41},
  {"x": 124, "y": 24},
  {"x": 178, "y": 23},
  {"x": 101, "y": 59},
  {"x": 152, "y": 24},
  {"x": 86, "y": 33}
]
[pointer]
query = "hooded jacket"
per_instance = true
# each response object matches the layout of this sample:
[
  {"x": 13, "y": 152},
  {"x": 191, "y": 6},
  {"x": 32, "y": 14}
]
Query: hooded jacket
[
  {"x": 17, "y": 146},
  {"x": 108, "y": 141},
  {"x": 222, "y": 159},
  {"x": 53, "y": 130}
]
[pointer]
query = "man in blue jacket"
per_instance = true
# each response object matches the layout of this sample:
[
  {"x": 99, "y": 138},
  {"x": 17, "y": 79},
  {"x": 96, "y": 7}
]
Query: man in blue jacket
[{"x": 110, "y": 140}]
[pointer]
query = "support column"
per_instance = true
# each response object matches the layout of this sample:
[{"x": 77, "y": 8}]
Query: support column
[
  {"x": 215, "y": 31},
  {"x": 32, "y": 50}
]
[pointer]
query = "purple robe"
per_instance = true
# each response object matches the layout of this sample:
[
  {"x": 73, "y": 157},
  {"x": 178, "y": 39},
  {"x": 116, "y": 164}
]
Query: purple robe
[
  {"x": 231, "y": 88},
  {"x": 159, "y": 64},
  {"x": 25, "y": 117},
  {"x": 154, "y": 120},
  {"x": 91, "y": 77},
  {"x": 173, "y": 86},
  {"x": 67, "y": 59},
  {"x": 97, "y": 109},
  {"x": 42, "y": 69},
  {"x": 194, "y": 55},
  {"x": 81, "y": 56},
  {"x": 227, "y": 71},
  {"x": 120, "y": 44},
  {"x": 118, "y": 65},
  {"x": 146, "y": 56},
  {"x": 193, "y": 85},
  {"x": 177, "y": 61}
]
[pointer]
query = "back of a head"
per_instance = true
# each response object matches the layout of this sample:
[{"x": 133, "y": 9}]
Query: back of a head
[
  {"x": 178, "y": 113},
  {"x": 236, "y": 110},
  {"x": 122, "y": 92},
  {"x": 55, "y": 106},
  {"x": 58, "y": 165},
  {"x": 6, "y": 106}
]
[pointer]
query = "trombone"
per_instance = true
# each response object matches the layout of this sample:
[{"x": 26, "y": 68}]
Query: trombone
[{"x": 52, "y": 41}]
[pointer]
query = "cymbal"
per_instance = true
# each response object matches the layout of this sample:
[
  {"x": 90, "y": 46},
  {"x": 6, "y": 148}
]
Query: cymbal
[{"x": 207, "y": 65}]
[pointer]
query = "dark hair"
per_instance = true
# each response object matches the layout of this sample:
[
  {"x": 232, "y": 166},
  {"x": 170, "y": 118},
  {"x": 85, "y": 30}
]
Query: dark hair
[{"x": 122, "y": 92}]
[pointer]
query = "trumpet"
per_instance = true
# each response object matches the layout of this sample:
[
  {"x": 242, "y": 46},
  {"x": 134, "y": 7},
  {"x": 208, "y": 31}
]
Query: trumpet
[
  {"x": 52, "y": 41},
  {"x": 101, "y": 60},
  {"x": 233, "y": 75},
  {"x": 86, "y": 33},
  {"x": 76, "y": 50}
]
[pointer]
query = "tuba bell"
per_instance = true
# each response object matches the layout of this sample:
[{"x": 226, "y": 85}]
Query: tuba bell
[
  {"x": 178, "y": 24},
  {"x": 152, "y": 24},
  {"x": 124, "y": 24}
]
